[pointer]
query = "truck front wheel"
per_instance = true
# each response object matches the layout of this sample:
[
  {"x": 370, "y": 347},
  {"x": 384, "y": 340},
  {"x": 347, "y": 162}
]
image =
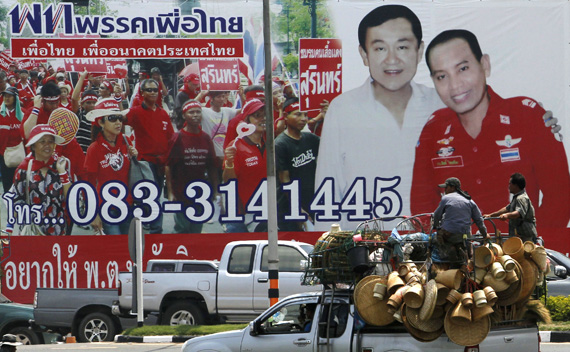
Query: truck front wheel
[
  {"x": 96, "y": 327},
  {"x": 25, "y": 335},
  {"x": 183, "y": 314}
]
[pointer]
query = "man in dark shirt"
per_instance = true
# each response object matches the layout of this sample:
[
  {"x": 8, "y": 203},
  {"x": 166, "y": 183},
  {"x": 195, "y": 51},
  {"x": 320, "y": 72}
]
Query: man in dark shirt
[
  {"x": 519, "y": 212},
  {"x": 296, "y": 160}
]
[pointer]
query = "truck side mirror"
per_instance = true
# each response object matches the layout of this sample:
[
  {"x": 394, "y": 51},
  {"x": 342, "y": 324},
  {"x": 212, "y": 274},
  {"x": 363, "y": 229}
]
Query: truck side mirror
[
  {"x": 560, "y": 271},
  {"x": 253, "y": 328}
]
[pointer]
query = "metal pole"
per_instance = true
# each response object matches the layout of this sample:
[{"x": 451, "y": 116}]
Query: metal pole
[
  {"x": 139, "y": 248},
  {"x": 273, "y": 258},
  {"x": 313, "y": 8}
]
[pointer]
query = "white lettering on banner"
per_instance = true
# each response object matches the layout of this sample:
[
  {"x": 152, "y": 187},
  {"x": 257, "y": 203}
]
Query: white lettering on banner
[
  {"x": 320, "y": 53},
  {"x": 56, "y": 251},
  {"x": 60, "y": 273},
  {"x": 72, "y": 250},
  {"x": 48, "y": 20},
  {"x": 316, "y": 82},
  {"x": 214, "y": 75},
  {"x": 92, "y": 270},
  {"x": 112, "y": 275},
  {"x": 156, "y": 248}
]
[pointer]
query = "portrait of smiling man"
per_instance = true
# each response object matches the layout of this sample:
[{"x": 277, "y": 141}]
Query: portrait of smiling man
[
  {"x": 370, "y": 132},
  {"x": 483, "y": 138}
]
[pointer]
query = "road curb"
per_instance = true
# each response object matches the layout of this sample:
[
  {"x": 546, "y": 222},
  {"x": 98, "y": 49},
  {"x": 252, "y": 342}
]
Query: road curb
[
  {"x": 545, "y": 336},
  {"x": 555, "y": 336},
  {"x": 152, "y": 339}
]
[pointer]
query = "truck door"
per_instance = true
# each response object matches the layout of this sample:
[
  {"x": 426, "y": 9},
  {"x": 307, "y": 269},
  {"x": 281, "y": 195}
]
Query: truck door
[
  {"x": 287, "y": 328},
  {"x": 290, "y": 273},
  {"x": 234, "y": 289}
]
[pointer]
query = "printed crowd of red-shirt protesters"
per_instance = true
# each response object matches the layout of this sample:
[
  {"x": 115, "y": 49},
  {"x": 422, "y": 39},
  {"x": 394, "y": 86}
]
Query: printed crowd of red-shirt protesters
[{"x": 214, "y": 142}]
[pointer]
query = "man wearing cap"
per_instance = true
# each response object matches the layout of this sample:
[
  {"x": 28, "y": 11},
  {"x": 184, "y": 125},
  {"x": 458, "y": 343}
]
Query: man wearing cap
[
  {"x": 250, "y": 92},
  {"x": 49, "y": 180},
  {"x": 10, "y": 123},
  {"x": 27, "y": 92},
  {"x": 162, "y": 90},
  {"x": 44, "y": 104},
  {"x": 245, "y": 160},
  {"x": 65, "y": 98},
  {"x": 56, "y": 76},
  {"x": 295, "y": 159},
  {"x": 192, "y": 158},
  {"x": 519, "y": 212},
  {"x": 153, "y": 130},
  {"x": 452, "y": 219},
  {"x": 189, "y": 90},
  {"x": 9, "y": 343},
  {"x": 108, "y": 159},
  {"x": 484, "y": 138},
  {"x": 3, "y": 83}
]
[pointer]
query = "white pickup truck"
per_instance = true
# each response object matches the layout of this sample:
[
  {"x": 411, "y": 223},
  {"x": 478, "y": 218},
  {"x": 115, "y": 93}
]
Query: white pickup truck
[
  {"x": 283, "y": 329},
  {"x": 234, "y": 289}
]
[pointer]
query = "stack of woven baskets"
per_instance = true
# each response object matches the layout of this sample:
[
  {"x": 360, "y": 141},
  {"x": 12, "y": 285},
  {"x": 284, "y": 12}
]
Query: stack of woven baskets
[{"x": 461, "y": 307}]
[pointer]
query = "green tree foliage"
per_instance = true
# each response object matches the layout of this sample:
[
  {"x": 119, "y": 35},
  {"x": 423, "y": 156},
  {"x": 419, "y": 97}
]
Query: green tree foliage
[
  {"x": 300, "y": 21},
  {"x": 4, "y": 25},
  {"x": 291, "y": 62}
]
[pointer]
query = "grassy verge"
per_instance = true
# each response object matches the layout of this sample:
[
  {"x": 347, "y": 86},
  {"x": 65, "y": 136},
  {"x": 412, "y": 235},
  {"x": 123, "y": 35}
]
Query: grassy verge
[
  {"x": 187, "y": 330},
  {"x": 182, "y": 330},
  {"x": 555, "y": 326}
]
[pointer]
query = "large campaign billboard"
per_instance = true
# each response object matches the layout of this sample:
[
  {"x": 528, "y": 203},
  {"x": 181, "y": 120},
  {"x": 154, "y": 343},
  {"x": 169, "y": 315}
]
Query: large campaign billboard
[{"x": 385, "y": 143}]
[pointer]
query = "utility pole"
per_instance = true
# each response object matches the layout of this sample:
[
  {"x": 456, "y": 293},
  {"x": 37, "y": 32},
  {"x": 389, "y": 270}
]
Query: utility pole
[
  {"x": 273, "y": 253},
  {"x": 313, "y": 12}
]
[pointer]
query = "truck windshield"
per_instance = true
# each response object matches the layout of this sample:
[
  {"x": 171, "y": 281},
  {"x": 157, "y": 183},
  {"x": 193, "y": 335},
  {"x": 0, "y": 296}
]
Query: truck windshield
[
  {"x": 307, "y": 248},
  {"x": 289, "y": 259}
]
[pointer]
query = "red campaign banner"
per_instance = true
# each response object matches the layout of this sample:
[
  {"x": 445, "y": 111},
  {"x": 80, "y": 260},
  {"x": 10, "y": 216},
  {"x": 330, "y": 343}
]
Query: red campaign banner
[
  {"x": 127, "y": 48},
  {"x": 91, "y": 65},
  {"x": 111, "y": 68},
  {"x": 95, "y": 261},
  {"x": 28, "y": 64},
  {"x": 116, "y": 68},
  {"x": 5, "y": 60},
  {"x": 320, "y": 71},
  {"x": 219, "y": 74}
]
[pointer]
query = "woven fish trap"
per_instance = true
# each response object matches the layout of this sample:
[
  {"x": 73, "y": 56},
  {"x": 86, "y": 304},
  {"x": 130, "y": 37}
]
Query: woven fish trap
[{"x": 328, "y": 261}]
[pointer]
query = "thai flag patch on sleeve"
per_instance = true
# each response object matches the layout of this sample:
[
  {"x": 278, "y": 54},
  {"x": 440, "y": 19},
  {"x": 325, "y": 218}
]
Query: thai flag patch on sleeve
[{"x": 510, "y": 155}]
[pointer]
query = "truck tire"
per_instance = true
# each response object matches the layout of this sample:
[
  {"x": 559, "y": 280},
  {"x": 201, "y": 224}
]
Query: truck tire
[
  {"x": 25, "y": 335},
  {"x": 96, "y": 327},
  {"x": 183, "y": 313}
]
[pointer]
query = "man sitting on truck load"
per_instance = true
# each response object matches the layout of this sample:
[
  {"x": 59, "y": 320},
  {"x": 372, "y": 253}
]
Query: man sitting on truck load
[{"x": 452, "y": 219}]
